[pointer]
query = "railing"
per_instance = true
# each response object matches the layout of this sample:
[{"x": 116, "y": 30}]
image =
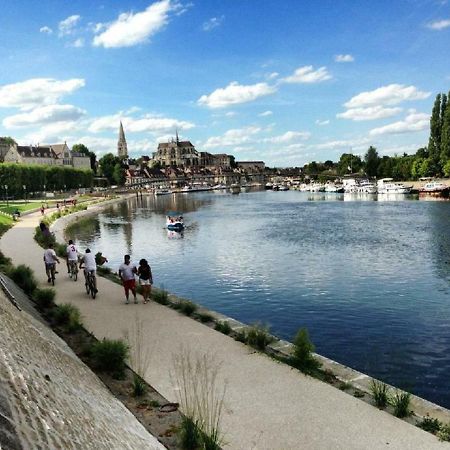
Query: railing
[{"x": 8, "y": 293}]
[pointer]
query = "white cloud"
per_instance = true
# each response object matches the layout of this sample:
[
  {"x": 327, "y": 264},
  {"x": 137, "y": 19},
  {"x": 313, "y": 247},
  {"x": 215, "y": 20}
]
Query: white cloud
[
  {"x": 234, "y": 137},
  {"x": 235, "y": 94},
  {"x": 44, "y": 115},
  {"x": 272, "y": 75},
  {"x": 370, "y": 113},
  {"x": 78, "y": 43},
  {"x": 344, "y": 58},
  {"x": 307, "y": 74},
  {"x": 322, "y": 122},
  {"x": 265, "y": 114},
  {"x": 412, "y": 123},
  {"x": 46, "y": 30},
  {"x": 288, "y": 137},
  {"x": 132, "y": 29},
  {"x": 439, "y": 24},
  {"x": 99, "y": 145},
  {"x": 392, "y": 94},
  {"x": 143, "y": 124},
  {"x": 52, "y": 133},
  {"x": 67, "y": 26},
  {"x": 342, "y": 144},
  {"x": 37, "y": 92},
  {"x": 230, "y": 114},
  {"x": 212, "y": 23}
]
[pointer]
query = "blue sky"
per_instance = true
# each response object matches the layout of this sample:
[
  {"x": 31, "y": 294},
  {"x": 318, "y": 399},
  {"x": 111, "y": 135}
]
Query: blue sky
[{"x": 286, "y": 81}]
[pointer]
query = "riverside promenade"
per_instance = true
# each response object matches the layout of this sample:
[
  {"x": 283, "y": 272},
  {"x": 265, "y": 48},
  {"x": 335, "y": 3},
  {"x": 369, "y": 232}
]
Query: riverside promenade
[{"x": 268, "y": 405}]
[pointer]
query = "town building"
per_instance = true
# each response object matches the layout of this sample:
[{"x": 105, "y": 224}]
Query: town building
[{"x": 177, "y": 153}]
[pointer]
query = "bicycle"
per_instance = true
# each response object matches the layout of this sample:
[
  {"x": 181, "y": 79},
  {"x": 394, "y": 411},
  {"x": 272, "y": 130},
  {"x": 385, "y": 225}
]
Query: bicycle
[
  {"x": 52, "y": 268},
  {"x": 90, "y": 283},
  {"x": 73, "y": 270}
]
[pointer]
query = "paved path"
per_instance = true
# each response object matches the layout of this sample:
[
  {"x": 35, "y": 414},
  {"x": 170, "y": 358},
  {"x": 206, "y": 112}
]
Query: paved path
[{"x": 268, "y": 405}]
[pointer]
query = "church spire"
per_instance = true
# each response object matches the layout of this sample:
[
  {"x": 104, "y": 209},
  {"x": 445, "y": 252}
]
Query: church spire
[
  {"x": 176, "y": 132},
  {"x": 122, "y": 149}
]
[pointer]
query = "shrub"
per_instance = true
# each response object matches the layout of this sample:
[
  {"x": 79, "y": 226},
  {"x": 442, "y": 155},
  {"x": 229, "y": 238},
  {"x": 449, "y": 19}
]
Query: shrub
[
  {"x": 302, "y": 357},
  {"x": 24, "y": 278},
  {"x": 44, "y": 297},
  {"x": 444, "y": 432},
  {"x": 5, "y": 263},
  {"x": 190, "y": 434},
  {"x": 160, "y": 296},
  {"x": 258, "y": 336},
  {"x": 429, "y": 424},
  {"x": 110, "y": 356},
  {"x": 401, "y": 403},
  {"x": 241, "y": 336},
  {"x": 380, "y": 393},
  {"x": 187, "y": 307},
  {"x": 61, "y": 250},
  {"x": 139, "y": 386},
  {"x": 223, "y": 327},
  {"x": 205, "y": 317},
  {"x": 69, "y": 316}
]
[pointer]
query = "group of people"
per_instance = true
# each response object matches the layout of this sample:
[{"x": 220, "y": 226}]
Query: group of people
[{"x": 127, "y": 270}]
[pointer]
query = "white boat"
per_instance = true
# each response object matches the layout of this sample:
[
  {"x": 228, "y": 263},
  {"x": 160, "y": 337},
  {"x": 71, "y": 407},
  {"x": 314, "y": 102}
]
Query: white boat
[
  {"x": 389, "y": 186},
  {"x": 435, "y": 188},
  {"x": 268, "y": 185},
  {"x": 219, "y": 186},
  {"x": 235, "y": 188},
  {"x": 334, "y": 187},
  {"x": 174, "y": 222},
  {"x": 283, "y": 187},
  {"x": 162, "y": 191},
  {"x": 317, "y": 187},
  {"x": 350, "y": 185},
  {"x": 366, "y": 187}
]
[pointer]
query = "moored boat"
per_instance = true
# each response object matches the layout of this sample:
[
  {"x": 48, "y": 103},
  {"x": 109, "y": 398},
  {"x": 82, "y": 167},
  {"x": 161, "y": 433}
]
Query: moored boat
[
  {"x": 435, "y": 188},
  {"x": 389, "y": 186}
]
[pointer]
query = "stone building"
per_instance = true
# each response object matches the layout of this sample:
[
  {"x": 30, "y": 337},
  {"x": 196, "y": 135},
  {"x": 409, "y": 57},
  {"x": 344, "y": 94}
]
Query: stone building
[
  {"x": 30, "y": 154},
  {"x": 122, "y": 149},
  {"x": 177, "y": 153},
  {"x": 254, "y": 166}
]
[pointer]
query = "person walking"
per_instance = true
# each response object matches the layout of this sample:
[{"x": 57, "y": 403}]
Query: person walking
[
  {"x": 127, "y": 270},
  {"x": 145, "y": 278}
]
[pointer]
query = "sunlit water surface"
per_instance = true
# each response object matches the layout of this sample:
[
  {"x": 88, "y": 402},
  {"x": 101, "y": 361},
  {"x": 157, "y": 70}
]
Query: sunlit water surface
[{"x": 369, "y": 279}]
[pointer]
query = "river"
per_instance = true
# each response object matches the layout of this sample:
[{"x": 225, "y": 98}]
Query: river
[{"x": 369, "y": 279}]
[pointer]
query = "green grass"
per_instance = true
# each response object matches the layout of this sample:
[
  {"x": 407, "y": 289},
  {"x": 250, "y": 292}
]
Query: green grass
[
  {"x": 110, "y": 356},
  {"x": 22, "y": 207},
  {"x": 431, "y": 425},
  {"x": 380, "y": 393},
  {"x": 258, "y": 336},
  {"x": 401, "y": 403},
  {"x": 68, "y": 316},
  {"x": 44, "y": 297}
]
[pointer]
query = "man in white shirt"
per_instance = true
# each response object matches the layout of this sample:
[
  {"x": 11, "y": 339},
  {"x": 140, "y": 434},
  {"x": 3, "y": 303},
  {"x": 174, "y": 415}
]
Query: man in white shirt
[
  {"x": 126, "y": 274},
  {"x": 50, "y": 260},
  {"x": 71, "y": 256},
  {"x": 89, "y": 266}
]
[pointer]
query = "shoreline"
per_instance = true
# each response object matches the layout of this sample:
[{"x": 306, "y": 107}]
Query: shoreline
[{"x": 421, "y": 407}]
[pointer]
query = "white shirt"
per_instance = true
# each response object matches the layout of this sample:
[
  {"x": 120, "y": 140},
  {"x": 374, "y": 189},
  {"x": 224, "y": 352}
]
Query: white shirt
[
  {"x": 72, "y": 253},
  {"x": 49, "y": 256},
  {"x": 127, "y": 271},
  {"x": 89, "y": 261}
]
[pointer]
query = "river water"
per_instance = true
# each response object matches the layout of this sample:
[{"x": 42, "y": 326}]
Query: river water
[{"x": 370, "y": 279}]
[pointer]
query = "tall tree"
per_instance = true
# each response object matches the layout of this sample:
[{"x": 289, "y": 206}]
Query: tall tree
[
  {"x": 371, "y": 161},
  {"x": 434, "y": 143},
  {"x": 349, "y": 163},
  {"x": 81, "y": 148},
  {"x": 445, "y": 133}
]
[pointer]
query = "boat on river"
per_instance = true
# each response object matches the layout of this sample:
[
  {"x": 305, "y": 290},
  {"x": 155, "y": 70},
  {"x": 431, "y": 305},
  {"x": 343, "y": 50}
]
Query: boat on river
[
  {"x": 174, "y": 221},
  {"x": 389, "y": 186},
  {"x": 435, "y": 188},
  {"x": 163, "y": 191}
]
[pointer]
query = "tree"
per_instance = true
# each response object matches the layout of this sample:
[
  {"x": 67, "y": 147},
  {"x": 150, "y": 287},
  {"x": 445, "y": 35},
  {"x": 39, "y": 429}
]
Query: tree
[
  {"x": 445, "y": 133},
  {"x": 371, "y": 160},
  {"x": 349, "y": 163},
  {"x": 7, "y": 140},
  {"x": 118, "y": 174},
  {"x": 107, "y": 163},
  {"x": 81, "y": 148},
  {"x": 434, "y": 143}
]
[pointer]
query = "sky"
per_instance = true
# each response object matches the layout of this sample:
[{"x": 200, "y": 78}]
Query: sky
[{"x": 283, "y": 81}]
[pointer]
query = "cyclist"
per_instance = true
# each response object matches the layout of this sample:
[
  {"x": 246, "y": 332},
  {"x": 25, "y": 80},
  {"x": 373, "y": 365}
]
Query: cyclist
[
  {"x": 89, "y": 266},
  {"x": 50, "y": 260},
  {"x": 71, "y": 256}
]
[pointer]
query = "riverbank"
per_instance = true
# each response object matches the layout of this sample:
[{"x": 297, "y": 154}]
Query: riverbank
[{"x": 268, "y": 405}]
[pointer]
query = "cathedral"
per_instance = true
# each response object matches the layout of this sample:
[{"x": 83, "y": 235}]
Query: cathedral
[{"x": 122, "y": 150}]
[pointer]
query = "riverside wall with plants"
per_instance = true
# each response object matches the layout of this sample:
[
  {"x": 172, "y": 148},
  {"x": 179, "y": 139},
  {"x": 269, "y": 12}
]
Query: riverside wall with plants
[{"x": 300, "y": 355}]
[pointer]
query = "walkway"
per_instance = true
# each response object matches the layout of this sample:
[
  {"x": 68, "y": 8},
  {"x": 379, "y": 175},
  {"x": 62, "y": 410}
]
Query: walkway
[{"x": 268, "y": 405}]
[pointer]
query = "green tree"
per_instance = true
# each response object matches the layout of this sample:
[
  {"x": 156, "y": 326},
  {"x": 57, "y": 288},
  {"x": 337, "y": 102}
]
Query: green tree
[
  {"x": 8, "y": 140},
  {"x": 106, "y": 164},
  {"x": 81, "y": 148},
  {"x": 349, "y": 163},
  {"x": 371, "y": 160},
  {"x": 446, "y": 168},
  {"x": 118, "y": 174},
  {"x": 445, "y": 133}
]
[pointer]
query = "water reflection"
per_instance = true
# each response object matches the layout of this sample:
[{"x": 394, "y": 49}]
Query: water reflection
[{"x": 171, "y": 234}]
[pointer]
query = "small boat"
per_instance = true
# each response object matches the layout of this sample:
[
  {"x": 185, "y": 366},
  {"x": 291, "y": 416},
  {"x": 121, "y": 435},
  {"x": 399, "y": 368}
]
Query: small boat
[
  {"x": 366, "y": 187},
  {"x": 163, "y": 191},
  {"x": 435, "y": 188},
  {"x": 389, "y": 186},
  {"x": 235, "y": 188},
  {"x": 268, "y": 185},
  {"x": 174, "y": 221}
]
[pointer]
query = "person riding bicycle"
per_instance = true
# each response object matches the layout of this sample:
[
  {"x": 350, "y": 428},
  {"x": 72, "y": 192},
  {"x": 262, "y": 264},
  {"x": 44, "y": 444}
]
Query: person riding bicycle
[
  {"x": 89, "y": 267},
  {"x": 71, "y": 256},
  {"x": 50, "y": 260}
]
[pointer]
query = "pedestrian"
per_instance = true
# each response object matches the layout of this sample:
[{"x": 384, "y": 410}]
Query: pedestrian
[
  {"x": 127, "y": 270},
  {"x": 42, "y": 210},
  {"x": 145, "y": 278}
]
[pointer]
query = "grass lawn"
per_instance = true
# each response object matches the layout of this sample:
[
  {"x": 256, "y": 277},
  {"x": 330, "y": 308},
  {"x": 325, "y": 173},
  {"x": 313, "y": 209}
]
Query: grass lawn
[
  {"x": 5, "y": 223},
  {"x": 20, "y": 206}
]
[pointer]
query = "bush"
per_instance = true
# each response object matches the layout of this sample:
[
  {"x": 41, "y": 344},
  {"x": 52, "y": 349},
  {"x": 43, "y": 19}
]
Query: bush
[
  {"x": 187, "y": 307},
  {"x": 223, "y": 327},
  {"x": 69, "y": 316},
  {"x": 61, "y": 250},
  {"x": 380, "y": 393},
  {"x": 205, "y": 317},
  {"x": 190, "y": 434},
  {"x": 44, "y": 297},
  {"x": 444, "y": 432},
  {"x": 401, "y": 403},
  {"x": 160, "y": 296},
  {"x": 139, "y": 386},
  {"x": 5, "y": 263},
  {"x": 430, "y": 425},
  {"x": 24, "y": 278},
  {"x": 110, "y": 356},
  {"x": 302, "y": 357},
  {"x": 241, "y": 336},
  {"x": 258, "y": 336}
]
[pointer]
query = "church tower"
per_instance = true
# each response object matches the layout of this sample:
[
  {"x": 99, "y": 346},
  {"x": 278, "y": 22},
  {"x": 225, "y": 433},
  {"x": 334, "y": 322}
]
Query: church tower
[{"x": 122, "y": 150}]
